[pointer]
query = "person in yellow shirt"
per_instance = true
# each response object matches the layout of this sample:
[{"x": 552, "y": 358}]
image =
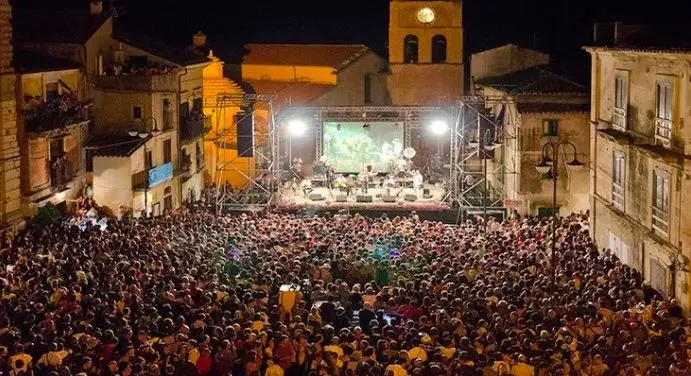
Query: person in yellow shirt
[
  {"x": 274, "y": 369},
  {"x": 417, "y": 352},
  {"x": 396, "y": 370},
  {"x": 522, "y": 368},
  {"x": 20, "y": 355}
]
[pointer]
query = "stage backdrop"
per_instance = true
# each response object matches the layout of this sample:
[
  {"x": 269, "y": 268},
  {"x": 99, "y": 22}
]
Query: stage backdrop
[{"x": 349, "y": 146}]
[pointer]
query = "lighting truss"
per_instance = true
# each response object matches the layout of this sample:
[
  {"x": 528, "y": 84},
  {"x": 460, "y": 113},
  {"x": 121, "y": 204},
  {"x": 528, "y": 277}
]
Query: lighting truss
[{"x": 259, "y": 171}]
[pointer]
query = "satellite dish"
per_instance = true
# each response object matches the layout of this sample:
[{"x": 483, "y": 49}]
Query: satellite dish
[{"x": 409, "y": 153}]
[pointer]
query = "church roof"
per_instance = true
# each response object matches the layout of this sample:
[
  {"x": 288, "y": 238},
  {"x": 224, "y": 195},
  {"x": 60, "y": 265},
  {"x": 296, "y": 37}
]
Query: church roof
[
  {"x": 337, "y": 56},
  {"x": 535, "y": 80},
  {"x": 289, "y": 93},
  {"x": 73, "y": 26}
]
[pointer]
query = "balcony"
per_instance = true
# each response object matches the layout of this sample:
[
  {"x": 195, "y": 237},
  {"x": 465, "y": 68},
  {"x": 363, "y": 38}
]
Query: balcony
[
  {"x": 140, "y": 180},
  {"x": 138, "y": 82},
  {"x": 620, "y": 119},
  {"x": 55, "y": 114},
  {"x": 663, "y": 131},
  {"x": 194, "y": 125}
]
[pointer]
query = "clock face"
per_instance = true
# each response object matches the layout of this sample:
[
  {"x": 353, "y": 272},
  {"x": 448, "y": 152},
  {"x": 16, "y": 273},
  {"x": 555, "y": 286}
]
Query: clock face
[{"x": 426, "y": 15}]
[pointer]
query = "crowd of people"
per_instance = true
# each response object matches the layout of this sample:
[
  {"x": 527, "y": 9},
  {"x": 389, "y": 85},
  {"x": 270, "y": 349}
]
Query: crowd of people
[{"x": 196, "y": 293}]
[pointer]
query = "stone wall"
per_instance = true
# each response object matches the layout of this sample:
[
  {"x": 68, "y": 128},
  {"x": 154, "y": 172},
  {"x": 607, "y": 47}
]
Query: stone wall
[{"x": 9, "y": 148}]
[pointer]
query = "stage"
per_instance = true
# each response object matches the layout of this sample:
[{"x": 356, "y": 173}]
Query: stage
[{"x": 429, "y": 198}]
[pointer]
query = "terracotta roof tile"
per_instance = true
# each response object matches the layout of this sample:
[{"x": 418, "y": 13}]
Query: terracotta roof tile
[
  {"x": 536, "y": 80},
  {"x": 337, "y": 56},
  {"x": 289, "y": 93}
]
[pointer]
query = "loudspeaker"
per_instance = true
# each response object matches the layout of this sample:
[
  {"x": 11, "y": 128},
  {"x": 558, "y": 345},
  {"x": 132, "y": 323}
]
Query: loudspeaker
[
  {"x": 317, "y": 197},
  {"x": 341, "y": 198},
  {"x": 245, "y": 139},
  {"x": 388, "y": 198},
  {"x": 363, "y": 198},
  {"x": 410, "y": 197}
]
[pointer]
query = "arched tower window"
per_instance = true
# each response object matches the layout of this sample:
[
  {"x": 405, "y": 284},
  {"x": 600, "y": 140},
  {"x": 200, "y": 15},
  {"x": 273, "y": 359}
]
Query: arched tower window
[
  {"x": 410, "y": 49},
  {"x": 439, "y": 49}
]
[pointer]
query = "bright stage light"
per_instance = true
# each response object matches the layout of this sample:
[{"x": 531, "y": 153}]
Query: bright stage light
[
  {"x": 439, "y": 127},
  {"x": 297, "y": 127}
]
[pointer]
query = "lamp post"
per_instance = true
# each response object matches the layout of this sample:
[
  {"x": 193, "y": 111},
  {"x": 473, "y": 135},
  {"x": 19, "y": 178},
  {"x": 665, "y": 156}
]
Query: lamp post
[
  {"x": 487, "y": 145},
  {"x": 546, "y": 165}
]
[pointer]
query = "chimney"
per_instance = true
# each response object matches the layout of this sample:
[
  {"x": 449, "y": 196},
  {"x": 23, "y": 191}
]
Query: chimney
[
  {"x": 199, "y": 40},
  {"x": 96, "y": 7}
]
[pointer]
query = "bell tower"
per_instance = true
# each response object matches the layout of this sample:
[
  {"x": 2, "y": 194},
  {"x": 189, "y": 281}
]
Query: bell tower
[{"x": 425, "y": 51}]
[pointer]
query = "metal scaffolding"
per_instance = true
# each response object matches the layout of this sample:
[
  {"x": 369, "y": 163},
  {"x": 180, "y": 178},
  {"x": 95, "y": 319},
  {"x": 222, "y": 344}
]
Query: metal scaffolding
[
  {"x": 474, "y": 176},
  {"x": 258, "y": 171},
  {"x": 479, "y": 168}
]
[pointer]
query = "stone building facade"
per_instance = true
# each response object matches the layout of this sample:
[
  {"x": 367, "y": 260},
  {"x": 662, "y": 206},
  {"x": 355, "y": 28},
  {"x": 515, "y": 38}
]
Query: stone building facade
[
  {"x": 536, "y": 105},
  {"x": 10, "y": 192},
  {"x": 641, "y": 151},
  {"x": 425, "y": 52}
]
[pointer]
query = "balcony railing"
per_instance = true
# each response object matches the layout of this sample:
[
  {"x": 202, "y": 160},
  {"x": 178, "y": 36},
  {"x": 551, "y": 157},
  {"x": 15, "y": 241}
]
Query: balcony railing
[
  {"x": 193, "y": 126},
  {"x": 618, "y": 196},
  {"x": 55, "y": 114},
  {"x": 663, "y": 131},
  {"x": 660, "y": 221},
  {"x": 619, "y": 119},
  {"x": 140, "y": 180}
]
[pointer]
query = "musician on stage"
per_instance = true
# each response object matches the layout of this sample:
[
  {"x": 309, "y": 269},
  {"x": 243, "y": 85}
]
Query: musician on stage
[
  {"x": 389, "y": 184},
  {"x": 306, "y": 186},
  {"x": 418, "y": 181},
  {"x": 366, "y": 177}
]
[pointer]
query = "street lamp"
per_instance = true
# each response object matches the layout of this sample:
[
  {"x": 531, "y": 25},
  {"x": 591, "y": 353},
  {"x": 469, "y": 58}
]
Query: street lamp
[
  {"x": 549, "y": 164},
  {"x": 488, "y": 145}
]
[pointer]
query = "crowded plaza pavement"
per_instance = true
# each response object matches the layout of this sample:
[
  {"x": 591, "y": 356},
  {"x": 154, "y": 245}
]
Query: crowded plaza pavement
[{"x": 195, "y": 293}]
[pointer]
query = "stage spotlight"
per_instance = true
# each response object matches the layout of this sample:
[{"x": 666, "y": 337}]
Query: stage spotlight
[
  {"x": 439, "y": 127},
  {"x": 297, "y": 127}
]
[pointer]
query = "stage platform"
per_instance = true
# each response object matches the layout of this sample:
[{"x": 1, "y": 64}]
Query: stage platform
[{"x": 402, "y": 199}]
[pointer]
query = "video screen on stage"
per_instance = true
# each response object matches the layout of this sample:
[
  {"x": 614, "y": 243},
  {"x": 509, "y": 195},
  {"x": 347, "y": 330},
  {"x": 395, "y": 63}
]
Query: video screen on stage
[{"x": 350, "y": 146}]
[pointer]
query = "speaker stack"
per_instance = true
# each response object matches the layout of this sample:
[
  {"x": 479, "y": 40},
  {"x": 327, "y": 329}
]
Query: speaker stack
[
  {"x": 363, "y": 198},
  {"x": 317, "y": 197}
]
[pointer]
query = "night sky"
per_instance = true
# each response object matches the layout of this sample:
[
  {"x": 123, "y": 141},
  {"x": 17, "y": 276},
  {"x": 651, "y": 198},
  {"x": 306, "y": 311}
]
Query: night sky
[{"x": 558, "y": 27}]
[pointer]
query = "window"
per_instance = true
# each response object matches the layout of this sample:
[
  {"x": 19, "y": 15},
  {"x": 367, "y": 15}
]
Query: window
[
  {"x": 198, "y": 104},
  {"x": 658, "y": 276},
  {"x": 167, "y": 199},
  {"x": 149, "y": 160},
  {"x": 618, "y": 171},
  {"x": 167, "y": 151},
  {"x": 550, "y": 127},
  {"x": 663, "y": 111},
  {"x": 410, "y": 49},
  {"x": 57, "y": 148},
  {"x": 184, "y": 110},
  {"x": 621, "y": 101},
  {"x": 137, "y": 112},
  {"x": 52, "y": 91},
  {"x": 660, "y": 202},
  {"x": 368, "y": 88},
  {"x": 438, "y": 49}
]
